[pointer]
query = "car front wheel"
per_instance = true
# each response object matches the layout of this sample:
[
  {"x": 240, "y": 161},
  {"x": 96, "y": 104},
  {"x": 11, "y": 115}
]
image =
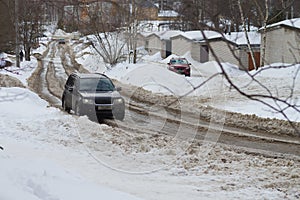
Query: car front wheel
[{"x": 120, "y": 115}]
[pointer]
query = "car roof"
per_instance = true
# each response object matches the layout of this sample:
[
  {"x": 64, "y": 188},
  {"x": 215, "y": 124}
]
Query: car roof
[
  {"x": 90, "y": 75},
  {"x": 178, "y": 58}
]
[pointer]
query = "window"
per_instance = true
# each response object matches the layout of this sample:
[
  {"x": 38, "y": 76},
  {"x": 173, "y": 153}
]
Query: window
[
  {"x": 95, "y": 84},
  {"x": 70, "y": 81}
]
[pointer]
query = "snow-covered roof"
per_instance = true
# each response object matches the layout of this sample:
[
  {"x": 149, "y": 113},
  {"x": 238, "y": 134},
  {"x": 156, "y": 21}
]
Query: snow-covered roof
[
  {"x": 239, "y": 38},
  {"x": 168, "y": 34},
  {"x": 199, "y": 35},
  {"x": 147, "y": 34},
  {"x": 167, "y": 13},
  {"x": 163, "y": 35},
  {"x": 294, "y": 23},
  {"x": 3, "y": 55}
]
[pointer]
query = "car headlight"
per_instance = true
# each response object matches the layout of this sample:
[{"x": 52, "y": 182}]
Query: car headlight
[
  {"x": 118, "y": 101},
  {"x": 88, "y": 101}
]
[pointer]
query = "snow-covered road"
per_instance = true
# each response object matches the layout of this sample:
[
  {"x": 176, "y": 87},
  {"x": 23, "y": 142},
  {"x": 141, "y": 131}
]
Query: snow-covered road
[{"x": 153, "y": 114}]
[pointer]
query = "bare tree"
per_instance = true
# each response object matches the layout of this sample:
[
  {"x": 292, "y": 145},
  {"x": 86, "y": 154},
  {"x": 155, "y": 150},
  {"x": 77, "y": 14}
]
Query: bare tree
[
  {"x": 115, "y": 27},
  {"x": 104, "y": 20},
  {"x": 29, "y": 24}
]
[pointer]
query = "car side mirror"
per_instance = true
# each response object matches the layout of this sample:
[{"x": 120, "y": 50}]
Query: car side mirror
[{"x": 118, "y": 89}]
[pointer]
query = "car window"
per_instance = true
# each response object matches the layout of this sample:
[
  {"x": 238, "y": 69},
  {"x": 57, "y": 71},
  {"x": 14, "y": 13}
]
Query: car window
[
  {"x": 179, "y": 61},
  {"x": 70, "y": 81},
  {"x": 95, "y": 84}
]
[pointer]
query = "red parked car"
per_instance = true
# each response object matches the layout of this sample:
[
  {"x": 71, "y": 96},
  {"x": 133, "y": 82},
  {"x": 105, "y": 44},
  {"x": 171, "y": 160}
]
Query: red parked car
[{"x": 180, "y": 66}]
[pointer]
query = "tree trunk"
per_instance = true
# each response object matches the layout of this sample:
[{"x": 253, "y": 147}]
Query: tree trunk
[
  {"x": 264, "y": 35},
  {"x": 27, "y": 54}
]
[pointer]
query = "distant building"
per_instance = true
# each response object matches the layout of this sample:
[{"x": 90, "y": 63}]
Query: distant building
[
  {"x": 146, "y": 10},
  {"x": 227, "y": 48},
  {"x": 234, "y": 49},
  {"x": 282, "y": 42},
  {"x": 159, "y": 41}
]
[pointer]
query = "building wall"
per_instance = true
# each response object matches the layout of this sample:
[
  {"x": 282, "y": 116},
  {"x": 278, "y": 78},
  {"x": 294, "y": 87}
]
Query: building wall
[
  {"x": 195, "y": 53},
  {"x": 153, "y": 44},
  {"x": 244, "y": 56},
  {"x": 163, "y": 49},
  {"x": 282, "y": 46},
  {"x": 224, "y": 52},
  {"x": 141, "y": 40},
  {"x": 181, "y": 45}
]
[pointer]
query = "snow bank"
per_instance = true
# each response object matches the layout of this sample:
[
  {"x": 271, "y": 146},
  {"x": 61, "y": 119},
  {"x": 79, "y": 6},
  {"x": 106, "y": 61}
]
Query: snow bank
[
  {"x": 154, "y": 77},
  {"x": 29, "y": 131},
  {"x": 33, "y": 178}
]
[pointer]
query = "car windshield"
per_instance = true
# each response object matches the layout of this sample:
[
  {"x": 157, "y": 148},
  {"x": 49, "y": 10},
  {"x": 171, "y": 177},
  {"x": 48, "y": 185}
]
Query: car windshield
[
  {"x": 179, "y": 61},
  {"x": 95, "y": 84}
]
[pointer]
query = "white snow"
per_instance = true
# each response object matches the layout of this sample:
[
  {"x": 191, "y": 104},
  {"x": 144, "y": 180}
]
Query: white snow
[
  {"x": 25, "y": 171},
  {"x": 167, "y": 13},
  {"x": 163, "y": 35},
  {"x": 199, "y": 35},
  {"x": 239, "y": 38}
]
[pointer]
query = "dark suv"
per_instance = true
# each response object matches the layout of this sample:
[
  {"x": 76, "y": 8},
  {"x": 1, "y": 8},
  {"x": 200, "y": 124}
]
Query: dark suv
[{"x": 93, "y": 94}]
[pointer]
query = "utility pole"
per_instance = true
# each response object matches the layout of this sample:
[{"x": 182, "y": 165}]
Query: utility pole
[{"x": 17, "y": 33}]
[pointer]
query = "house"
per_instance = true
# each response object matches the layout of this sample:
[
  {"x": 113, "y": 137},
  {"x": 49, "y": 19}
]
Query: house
[
  {"x": 166, "y": 43},
  {"x": 282, "y": 43},
  {"x": 159, "y": 41},
  {"x": 152, "y": 42},
  {"x": 146, "y": 10},
  {"x": 233, "y": 48},
  {"x": 192, "y": 41},
  {"x": 207, "y": 46}
]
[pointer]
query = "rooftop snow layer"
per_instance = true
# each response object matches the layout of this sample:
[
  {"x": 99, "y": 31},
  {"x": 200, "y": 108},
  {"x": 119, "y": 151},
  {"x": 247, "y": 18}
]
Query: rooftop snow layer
[
  {"x": 295, "y": 23},
  {"x": 167, "y": 13},
  {"x": 199, "y": 35},
  {"x": 163, "y": 35},
  {"x": 239, "y": 38}
]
